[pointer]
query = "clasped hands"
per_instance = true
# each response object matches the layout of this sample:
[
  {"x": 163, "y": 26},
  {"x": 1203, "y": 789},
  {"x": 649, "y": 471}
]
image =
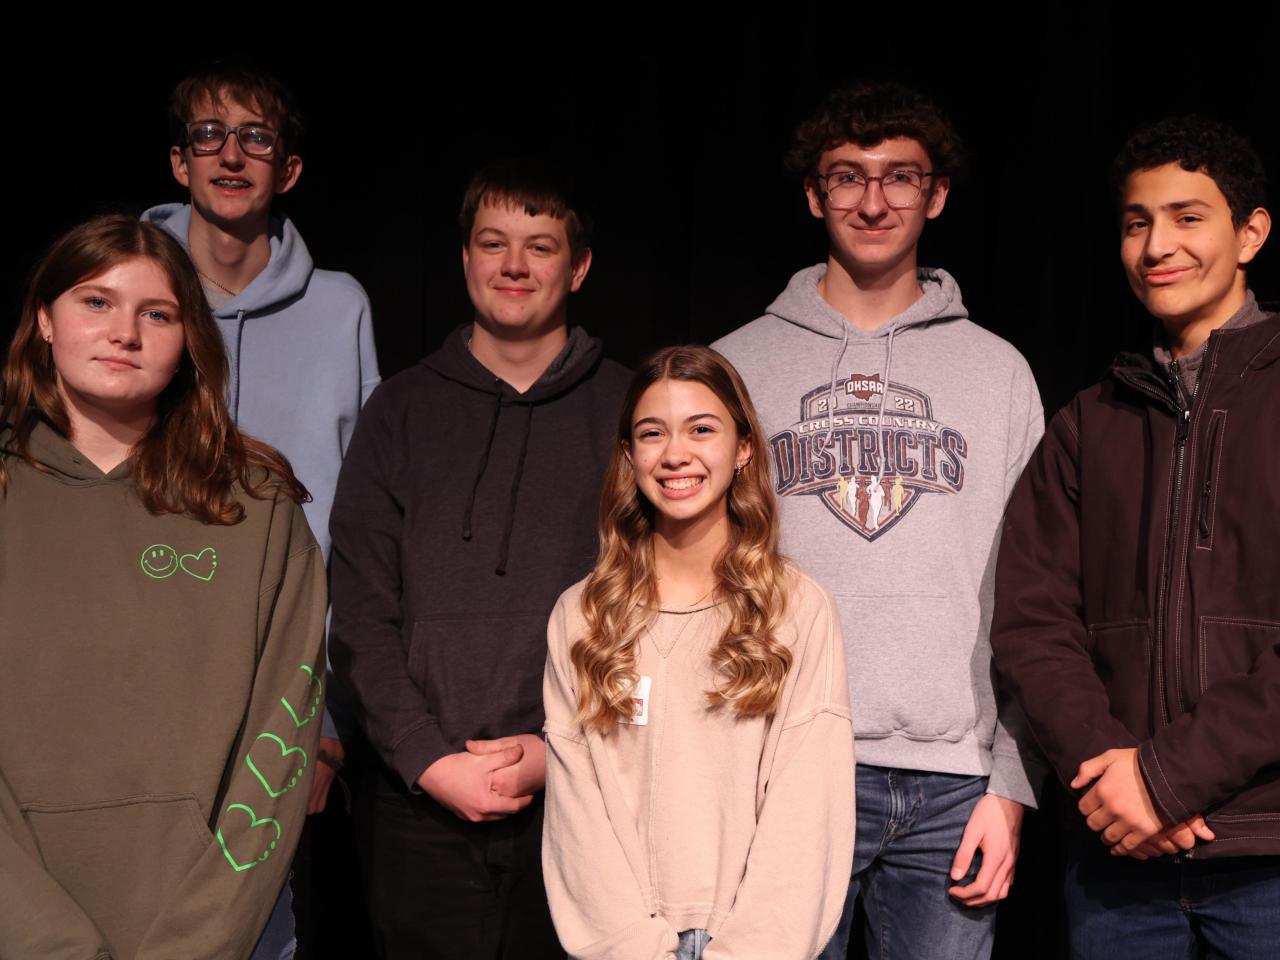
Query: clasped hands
[
  {"x": 1118, "y": 806},
  {"x": 491, "y": 779}
]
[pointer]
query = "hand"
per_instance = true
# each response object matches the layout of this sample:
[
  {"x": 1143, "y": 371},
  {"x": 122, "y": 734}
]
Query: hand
[
  {"x": 1118, "y": 805},
  {"x": 526, "y": 777},
  {"x": 994, "y": 827},
  {"x": 323, "y": 776},
  {"x": 463, "y": 782},
  {"x": 1179, "y": 837}
]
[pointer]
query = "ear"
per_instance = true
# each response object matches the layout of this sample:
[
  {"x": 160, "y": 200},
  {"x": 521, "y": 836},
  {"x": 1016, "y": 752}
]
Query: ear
[
  {"x": 466, "y": 257},
  {"x": 626, "y": 452},
  {"x": 178, "y": 161},
  {"x": 288, "y": 172},
  {"x": 937, "y": 197},
  {"x": 814, "y": 196},
  {"x": 581, "y": 264},
  {"x": 744, "y": 451},
  {"x": 1252, "y": 235},
  {"x": 46, "y": 324}
]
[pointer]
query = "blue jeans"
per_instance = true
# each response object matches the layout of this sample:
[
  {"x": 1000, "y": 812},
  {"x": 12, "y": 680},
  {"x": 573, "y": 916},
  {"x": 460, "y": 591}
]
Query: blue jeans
[
  {"x": 692, "y": 943},
  {"x": 909, "y": 827},
  {"x": 277, "y": 941},
  {"x": 1166, "y": 909}
]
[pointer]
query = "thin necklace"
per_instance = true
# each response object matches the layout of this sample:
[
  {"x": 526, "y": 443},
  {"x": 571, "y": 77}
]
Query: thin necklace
[{"x": 228, "y": 292}]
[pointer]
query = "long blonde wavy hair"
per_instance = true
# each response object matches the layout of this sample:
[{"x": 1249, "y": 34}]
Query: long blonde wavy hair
[{"x": 621, "y": 595}]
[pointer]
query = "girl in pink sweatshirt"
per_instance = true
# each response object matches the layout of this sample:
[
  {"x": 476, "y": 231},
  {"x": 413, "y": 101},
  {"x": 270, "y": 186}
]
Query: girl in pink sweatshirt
[{"x": 699, "y": 745}]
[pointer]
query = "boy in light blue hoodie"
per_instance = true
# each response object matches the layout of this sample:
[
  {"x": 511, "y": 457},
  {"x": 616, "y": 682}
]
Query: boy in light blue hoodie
[
  {"x": 896, "y": 429},
  {"x": 299, "y": 340}
]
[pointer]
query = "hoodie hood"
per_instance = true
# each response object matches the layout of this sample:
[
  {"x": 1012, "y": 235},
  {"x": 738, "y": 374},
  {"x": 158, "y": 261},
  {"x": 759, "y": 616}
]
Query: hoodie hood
[
  {"x": 59, "y": 458},
  {"x": 579, "y": 358},
  {"x": 285, "y": 276},
  {"x": 801, "y": 304}
]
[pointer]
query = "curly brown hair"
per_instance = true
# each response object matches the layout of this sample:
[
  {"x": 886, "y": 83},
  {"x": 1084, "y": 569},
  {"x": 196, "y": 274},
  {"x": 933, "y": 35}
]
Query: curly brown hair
[
  {"x": 867, "y": 113},
  {"x": 1198, "y": 143}
]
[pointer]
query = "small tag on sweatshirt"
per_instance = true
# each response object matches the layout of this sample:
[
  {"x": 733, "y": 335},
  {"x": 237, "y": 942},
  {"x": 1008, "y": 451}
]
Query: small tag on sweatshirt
[{"x": 640, "y": 697}]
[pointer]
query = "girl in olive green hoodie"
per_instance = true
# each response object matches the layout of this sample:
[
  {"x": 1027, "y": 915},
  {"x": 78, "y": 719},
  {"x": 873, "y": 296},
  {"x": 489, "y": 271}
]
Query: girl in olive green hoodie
[{"x": 161, "y": 661}]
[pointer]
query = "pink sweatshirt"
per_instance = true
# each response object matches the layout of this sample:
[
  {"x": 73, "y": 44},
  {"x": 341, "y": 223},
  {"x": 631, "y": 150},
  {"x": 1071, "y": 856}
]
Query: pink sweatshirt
[{"x": 697, "y": 818}]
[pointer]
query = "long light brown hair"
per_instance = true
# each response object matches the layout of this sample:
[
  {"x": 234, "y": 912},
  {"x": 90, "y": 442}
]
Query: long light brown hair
[
  {"x": 193, "y": 455},
  {"x": 621, "y": 595}
]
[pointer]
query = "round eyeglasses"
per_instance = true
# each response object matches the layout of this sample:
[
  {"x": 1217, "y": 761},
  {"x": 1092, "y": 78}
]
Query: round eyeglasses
[
  {"x": 209, "y": 136},
  {"x": 845, "y": 189}
]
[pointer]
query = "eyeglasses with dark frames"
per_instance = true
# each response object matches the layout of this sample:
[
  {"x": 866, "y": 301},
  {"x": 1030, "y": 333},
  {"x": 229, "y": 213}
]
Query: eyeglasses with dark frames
[
  {"x": 844, "y": 189},
  {"x": 210, "y": 136}
]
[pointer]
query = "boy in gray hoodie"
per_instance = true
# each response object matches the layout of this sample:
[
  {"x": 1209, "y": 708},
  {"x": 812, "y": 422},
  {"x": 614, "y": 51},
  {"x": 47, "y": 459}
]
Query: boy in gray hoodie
[{"x": 896, "y": 430}]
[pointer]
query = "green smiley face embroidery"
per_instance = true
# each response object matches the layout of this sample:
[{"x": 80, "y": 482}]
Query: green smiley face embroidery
[
  {"x": 284, "y": 752},
  {"x": 159, "y": 561},
  {"x": 254, "y": 822},
  {"x": 315, "y": 703}
]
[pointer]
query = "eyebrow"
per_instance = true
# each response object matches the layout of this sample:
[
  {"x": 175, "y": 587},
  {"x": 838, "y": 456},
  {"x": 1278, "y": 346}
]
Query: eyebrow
[
  {"x": 247, "y": 123},
  {"x": 1174, "y": 205},
  {"x": 658, "y": 421},
  {"x": 888, "y": 165},
  {"x": 533, "y": 236},
  {"x": 113, "y": 291}
]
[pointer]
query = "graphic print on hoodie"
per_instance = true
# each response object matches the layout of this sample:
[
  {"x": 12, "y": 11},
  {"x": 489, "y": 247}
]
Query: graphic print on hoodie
[
  {"x": 893, "y": 453},
  {"x": 869, "y": 453}
]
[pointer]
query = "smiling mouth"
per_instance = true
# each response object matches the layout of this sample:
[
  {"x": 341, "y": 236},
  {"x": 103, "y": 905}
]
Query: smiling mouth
[
  {"x": 232, "y": 183},
  {"x": 1158, "y": 277},
  {"x": 677, "y": 488}
]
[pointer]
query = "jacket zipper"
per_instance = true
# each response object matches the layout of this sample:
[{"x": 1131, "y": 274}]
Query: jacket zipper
[{"x": 1171, "y": 535}]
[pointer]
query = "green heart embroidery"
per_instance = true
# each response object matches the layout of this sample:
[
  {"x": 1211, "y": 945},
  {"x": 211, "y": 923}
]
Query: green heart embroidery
[
  {"x": 284, "y": 752},
  {"x": 315, "y": 704},
  {"x": 253, "y": 822},
  {"x": 196, "y": 564}
]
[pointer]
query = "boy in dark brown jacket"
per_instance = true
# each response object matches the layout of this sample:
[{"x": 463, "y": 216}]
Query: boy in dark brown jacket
[{"x": 1137, "y": 617}]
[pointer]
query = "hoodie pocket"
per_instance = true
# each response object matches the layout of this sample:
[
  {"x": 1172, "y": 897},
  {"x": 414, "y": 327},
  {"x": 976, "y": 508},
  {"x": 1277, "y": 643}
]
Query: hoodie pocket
[
  {"x": 1122, "y": 658},
  {"x": 917, "y": 667},
  {"x": 481, "y": 676},
  {"x": 120, "y": 859}
]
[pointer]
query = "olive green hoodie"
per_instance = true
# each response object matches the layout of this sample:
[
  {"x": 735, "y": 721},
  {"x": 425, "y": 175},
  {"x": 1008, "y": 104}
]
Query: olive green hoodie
[{"x": 160, "y": 688}]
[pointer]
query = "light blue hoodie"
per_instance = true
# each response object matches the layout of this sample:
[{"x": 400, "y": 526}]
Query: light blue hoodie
[{"x": 300, "y": 346}]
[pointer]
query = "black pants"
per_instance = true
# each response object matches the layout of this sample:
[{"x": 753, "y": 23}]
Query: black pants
[{"x": 440, "y": 887}]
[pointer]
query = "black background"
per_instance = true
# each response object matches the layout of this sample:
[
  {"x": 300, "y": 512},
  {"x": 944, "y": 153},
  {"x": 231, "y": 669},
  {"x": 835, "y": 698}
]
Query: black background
[{"x": 682, "y": 124}]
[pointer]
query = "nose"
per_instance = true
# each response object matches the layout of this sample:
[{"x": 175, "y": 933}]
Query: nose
[
  {"x": 1161, "y": 240},
  {"x": 873, "y": 205},
  {"x": 514, "y": 261},
  {"x": 676, "y": 452},
  {"x": 231, "y": 155},
  {"x": 125, "y": 331}
]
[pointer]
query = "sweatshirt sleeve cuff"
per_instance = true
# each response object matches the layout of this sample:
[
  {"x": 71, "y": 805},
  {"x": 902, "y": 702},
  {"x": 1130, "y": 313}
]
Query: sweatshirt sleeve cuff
[
  {"x": 417, "y": 750},
  {"x": 1015, "y": 780}
]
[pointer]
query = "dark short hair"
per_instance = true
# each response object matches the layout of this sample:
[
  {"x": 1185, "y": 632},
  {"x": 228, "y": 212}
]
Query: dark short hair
[
  {"x": 539, "y": 186},
  {"x": 868, "y": 112},
  {"x": 1202, "y": 145},
  {"x": 246, "y": 85}
]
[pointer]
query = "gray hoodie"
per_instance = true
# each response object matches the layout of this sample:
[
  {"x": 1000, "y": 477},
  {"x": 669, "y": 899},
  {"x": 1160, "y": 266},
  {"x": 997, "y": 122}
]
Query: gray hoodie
[{"x": 894, "y": 504}]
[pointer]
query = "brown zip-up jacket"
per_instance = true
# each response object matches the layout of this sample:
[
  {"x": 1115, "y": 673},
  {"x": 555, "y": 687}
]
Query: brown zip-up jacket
[{"x": 1138, "y": 586}]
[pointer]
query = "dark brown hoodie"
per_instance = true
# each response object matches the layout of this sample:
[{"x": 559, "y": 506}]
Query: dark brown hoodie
[{"x": 160, "y": 688}]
